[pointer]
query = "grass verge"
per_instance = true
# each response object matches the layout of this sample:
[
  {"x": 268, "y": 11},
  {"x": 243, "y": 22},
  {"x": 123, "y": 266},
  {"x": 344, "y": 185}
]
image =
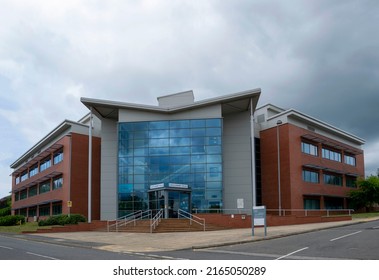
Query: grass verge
[
  {"x": 365, "y": 215},
  {"x": 32, "y": 226}
]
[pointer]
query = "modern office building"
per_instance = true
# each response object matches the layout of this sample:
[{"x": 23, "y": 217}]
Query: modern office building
[
  {"x": 181, "y": 154},
  {"x": 306, "y": 163},
  {"x": 202, "y": 156},
  {"x": 52, "y": 177}
]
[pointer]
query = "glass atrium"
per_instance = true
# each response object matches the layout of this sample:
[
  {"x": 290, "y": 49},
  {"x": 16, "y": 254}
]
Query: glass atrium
[{"x": 185, "y": 153}]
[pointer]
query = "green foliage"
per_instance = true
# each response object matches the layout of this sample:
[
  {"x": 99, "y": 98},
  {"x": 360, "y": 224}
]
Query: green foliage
[
  {"x": 5, "y": 211},
  {"x": 62, "y": 220},
  {"x": 367, "y": 193},
  {"x": 12, "y": 220}
]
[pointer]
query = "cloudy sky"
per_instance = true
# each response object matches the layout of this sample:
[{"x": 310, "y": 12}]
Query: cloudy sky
[{"x": 318, "y": 57}]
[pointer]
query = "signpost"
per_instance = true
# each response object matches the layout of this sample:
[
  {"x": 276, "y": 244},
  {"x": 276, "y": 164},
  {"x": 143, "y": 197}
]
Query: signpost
[{"x": 258, "y": 218}]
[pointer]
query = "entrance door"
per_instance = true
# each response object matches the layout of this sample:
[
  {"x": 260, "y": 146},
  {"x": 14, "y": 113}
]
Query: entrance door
[
  {"x": 170, "y": 200},
  {"x": 177, "y": 200}
]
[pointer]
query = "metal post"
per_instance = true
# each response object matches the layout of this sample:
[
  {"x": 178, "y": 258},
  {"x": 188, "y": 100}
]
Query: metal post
[
  {"x": 90, "y": 168},
  {"x": 279, "y": 122}
]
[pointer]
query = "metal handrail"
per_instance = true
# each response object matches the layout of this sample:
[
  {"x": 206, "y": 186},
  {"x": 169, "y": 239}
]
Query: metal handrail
[
  {"x": 282, "y": 212},
  {"x": 155, "y": 220},
  {"x": 127, "y": 219},
  {"x": 192, "y": 218},
  {"x": 328, "y": 212}
]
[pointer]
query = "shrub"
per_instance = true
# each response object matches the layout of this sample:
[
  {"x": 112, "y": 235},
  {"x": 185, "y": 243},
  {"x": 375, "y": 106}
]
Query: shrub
[
  {"x": 12, "y": 220},
  {"x": 62, "y": 220},
  {"x": 5, "y": 211}
]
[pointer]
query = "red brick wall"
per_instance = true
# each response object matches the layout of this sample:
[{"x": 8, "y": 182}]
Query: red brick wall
[{"x": 293, "y": 188}]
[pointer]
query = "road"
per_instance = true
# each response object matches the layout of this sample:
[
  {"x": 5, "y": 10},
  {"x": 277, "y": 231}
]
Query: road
[
  {"x": 15, "y": 248},
  {"x": 355, "y": 242}
]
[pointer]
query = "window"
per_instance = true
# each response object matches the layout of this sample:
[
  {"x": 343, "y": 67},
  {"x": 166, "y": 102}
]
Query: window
[
  {"x": 351, "y": 182},
  {"x": 310, "y": 176},
  {"x": 32, "y": 211},
  {"x": 350, "y": 160},
  {"x": 23, "y": 194},
  {"x": 44, "y": 210},
  {"x": 58, "y": 157},
  {"x": 18, "y": 180},
  {"x": 309, "y": 149},
  {"x": 57, "y": 209},
  {"x": 57, "y": 183},
  {"x": 44, "y": 187},
  {"x": 332, "y": 155},
  {"x": 45, "y": 164},
  {"x": 32, "y": 191},
  {"x": 24, "y": 176},
  {"x": 333, "y": 179},
  {"x": 33, "y": 170},
  {"x": 311, "y": 203}
]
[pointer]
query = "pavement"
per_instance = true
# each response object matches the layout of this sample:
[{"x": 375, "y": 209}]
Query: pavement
[{"x": 157, "y": 242}]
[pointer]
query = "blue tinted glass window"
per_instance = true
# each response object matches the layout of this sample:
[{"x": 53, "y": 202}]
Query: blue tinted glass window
[
  {"x": 138, "y": 126},
  {"x": 198, "y": 141},
  {"x": 158, "y": 134},
  {"x": 213, "y": 132},
  {"x": 183, "y": 151},
  {"x": 213, "y": 158},
  {"x": 179, "y": 124},
  {"x": 159, "y": 125},
  {"x": 159, "y": 142},
  {"x": 179, "y": 141},
  {"x": 213, "y": 149},
  {"x": 159, "y": 151},
  {"x": 140, "y": 134},
  {"x": 180, "y": 150},
  {"x": 213, "y": 123},
  {"x": 198, "y": 149},
  {"x": 197, "y": 123},
  {"x": 198, "y": 132},
  {"x": 180, "y": 133},
  {"x": 213, "y": 140},
  {"x": 198, "y": 159},
  {"x": 140, "y": 152}
]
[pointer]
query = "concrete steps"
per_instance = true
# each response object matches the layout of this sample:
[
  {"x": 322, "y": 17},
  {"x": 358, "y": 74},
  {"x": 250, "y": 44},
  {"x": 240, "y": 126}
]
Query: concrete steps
[{"x": 167, "y": 225}]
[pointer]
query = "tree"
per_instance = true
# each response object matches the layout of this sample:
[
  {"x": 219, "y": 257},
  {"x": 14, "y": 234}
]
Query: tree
[{"x": 367, "y": 193}]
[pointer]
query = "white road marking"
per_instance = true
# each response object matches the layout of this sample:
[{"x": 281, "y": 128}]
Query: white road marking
[
  {"x": 282, "y": 257},
  {"x": 334, "y": 239},
  {"x": 42, "y": 256},
  {"x": 376, "y": 227},
  {"x": 9, "y": 248}
]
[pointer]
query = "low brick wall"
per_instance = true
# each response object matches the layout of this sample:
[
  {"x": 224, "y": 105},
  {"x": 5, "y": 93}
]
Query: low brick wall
[{"x": 94, "y": 226}]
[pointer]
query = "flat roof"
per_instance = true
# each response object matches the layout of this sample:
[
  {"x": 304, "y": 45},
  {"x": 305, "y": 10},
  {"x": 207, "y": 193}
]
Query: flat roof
[{"x": 235, "y": 102}]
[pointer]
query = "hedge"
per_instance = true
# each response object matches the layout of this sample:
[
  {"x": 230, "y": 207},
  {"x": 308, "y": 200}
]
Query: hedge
[
  {"x": 62, "y": 220},
  {"x": 12, "y": 220},
  {"x": 5, "y": 211}
]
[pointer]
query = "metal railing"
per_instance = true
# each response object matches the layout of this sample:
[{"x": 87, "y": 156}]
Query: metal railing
[
  {"x": 156, "y": 220},
  {"x": 282, "y": 212},
  {"x": 311, "y": 212},
  {"x": 243, "y": 211},
  {"x": 191, "y": 218},
  {"x": 127, "y": 219}
]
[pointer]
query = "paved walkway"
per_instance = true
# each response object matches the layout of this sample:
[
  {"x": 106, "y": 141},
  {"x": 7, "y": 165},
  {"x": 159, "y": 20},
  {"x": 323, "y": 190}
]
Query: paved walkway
[{"x": 146, "y": 242}]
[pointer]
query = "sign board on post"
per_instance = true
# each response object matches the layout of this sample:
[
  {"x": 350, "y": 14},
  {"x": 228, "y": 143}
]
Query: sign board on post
[
  {"x": 69, "y": 204},
  {"x": 258, "y": 218}
]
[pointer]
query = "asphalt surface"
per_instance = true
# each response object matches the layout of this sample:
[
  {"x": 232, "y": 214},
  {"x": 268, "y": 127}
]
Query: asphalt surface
[{"x": 159, "y": 242}]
